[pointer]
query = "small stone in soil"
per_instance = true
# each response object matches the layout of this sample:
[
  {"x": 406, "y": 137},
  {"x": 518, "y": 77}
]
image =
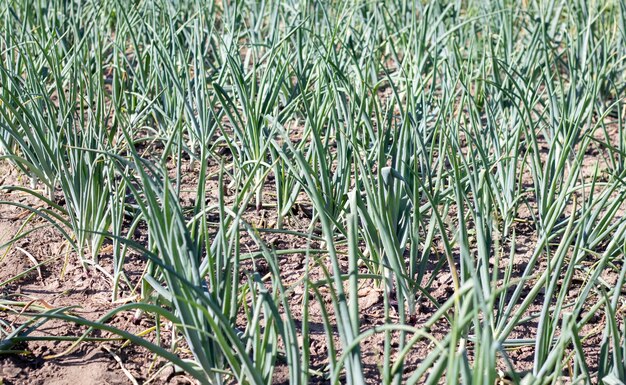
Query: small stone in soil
[{"x": 11, "y": 372}]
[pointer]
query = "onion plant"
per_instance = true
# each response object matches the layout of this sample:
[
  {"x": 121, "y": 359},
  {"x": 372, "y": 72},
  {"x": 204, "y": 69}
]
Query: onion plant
[{"x": 465, "y": 159}]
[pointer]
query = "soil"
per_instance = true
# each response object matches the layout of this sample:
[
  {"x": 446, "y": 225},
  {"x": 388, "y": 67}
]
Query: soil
[{"x": 63, "y": 281}]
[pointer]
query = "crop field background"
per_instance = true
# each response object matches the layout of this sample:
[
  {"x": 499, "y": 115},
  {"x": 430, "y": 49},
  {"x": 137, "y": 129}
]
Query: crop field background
[{"x": 312, "y": 191}]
